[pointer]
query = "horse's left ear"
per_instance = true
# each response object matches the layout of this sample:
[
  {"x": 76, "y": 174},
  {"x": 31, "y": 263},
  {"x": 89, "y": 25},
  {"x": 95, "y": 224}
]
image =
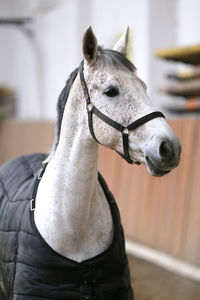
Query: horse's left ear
[
  {"x": 122, "y": 43},
  {"x": 90, "y": 46}
]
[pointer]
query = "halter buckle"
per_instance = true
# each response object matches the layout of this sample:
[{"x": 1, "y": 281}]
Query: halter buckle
[
  {"x": 40, "y": 174},
  {"x": 32, "y": 204}
]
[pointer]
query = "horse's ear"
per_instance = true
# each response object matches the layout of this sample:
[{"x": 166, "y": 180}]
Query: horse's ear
[
  {"x": 90, "y": 46},
  {"x": 122, "y": 43}
]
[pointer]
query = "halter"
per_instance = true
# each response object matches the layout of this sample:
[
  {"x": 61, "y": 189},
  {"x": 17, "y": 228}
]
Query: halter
[{"x": 91, "y": 109}]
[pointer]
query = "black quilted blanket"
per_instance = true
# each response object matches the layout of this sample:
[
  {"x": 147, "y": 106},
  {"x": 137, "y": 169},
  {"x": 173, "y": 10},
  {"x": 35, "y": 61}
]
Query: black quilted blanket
[{"x": 30, "y": 269}]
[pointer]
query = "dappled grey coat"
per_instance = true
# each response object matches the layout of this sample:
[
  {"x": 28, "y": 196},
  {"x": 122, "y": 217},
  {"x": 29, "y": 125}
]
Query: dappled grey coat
[{"x": 30, "y": 269}]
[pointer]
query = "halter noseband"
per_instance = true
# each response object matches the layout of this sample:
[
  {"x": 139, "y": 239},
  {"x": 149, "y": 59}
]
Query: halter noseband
[{"x": 91, "y": 109}]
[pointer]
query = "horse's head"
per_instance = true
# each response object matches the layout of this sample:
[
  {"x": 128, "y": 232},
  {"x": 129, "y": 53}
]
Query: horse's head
[{"x": 119, "y": 95}]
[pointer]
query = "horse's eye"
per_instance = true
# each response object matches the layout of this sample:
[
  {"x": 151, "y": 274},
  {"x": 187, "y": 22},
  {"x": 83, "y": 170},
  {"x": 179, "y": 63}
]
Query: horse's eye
[{"x": 111, "y": 91}]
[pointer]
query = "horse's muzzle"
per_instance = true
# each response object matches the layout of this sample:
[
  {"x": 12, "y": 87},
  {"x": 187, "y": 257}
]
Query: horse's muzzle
[{"x": 162, "y": 155}]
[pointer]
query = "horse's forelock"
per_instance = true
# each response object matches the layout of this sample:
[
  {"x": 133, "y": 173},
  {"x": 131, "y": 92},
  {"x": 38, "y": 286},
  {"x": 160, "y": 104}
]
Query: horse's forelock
[{"x": 111, "y": 57}]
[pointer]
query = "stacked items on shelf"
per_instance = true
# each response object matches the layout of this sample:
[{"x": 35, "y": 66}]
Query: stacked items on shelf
[
  {"x": 186, "y": 82},
  {"x": 7, "y": 102}
]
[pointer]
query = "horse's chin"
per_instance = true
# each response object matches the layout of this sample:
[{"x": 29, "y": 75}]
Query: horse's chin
[
  {"x": 157, "y": 172},
  {"x": 154, "y": 170}
]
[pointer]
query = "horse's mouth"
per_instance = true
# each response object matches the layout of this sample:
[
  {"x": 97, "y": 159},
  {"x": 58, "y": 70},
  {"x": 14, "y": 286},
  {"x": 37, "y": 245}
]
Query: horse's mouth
[{"x": 153, "y": 170}]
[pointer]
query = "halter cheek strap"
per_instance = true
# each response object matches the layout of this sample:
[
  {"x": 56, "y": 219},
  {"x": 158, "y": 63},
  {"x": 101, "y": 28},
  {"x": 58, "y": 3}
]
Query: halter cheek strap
[{"x": 91, "y": 109}]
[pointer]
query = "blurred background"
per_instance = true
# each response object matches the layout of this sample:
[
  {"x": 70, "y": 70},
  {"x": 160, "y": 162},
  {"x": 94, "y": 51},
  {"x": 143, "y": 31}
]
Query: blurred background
[{"x": 40, "y": 45}]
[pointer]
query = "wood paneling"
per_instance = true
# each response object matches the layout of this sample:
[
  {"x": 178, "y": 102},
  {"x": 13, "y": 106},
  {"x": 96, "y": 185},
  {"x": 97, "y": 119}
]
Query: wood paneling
[
  {"x": 17, "y": 138},
  {"x": 163, "y": 213}
]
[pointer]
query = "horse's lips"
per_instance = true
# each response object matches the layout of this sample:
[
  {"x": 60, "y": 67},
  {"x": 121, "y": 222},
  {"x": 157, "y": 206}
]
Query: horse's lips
[{"x": 154, "y": 170}]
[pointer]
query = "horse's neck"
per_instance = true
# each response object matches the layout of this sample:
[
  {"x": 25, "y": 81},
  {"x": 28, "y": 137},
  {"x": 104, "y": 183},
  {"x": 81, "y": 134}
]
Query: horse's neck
[{"x": 72, "y": 213}]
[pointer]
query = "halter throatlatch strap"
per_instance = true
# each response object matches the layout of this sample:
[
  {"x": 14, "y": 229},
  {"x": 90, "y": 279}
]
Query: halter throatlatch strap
[{"x": 91, "y": 109}]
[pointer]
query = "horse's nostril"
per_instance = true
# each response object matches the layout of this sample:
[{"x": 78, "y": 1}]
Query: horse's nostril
[{"x": 166, "y": 150}]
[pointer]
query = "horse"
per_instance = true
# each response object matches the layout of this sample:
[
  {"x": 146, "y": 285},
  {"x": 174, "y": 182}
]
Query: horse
[{"x": 60, "y": 231}]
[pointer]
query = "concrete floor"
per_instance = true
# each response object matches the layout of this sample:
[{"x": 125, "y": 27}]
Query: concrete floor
[{"x": 151, "y": 282}]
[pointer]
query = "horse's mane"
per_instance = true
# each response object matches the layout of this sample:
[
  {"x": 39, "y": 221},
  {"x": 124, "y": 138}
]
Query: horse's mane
[
  {"x": 109, "y": 57},
  {"x": 62, "y": 99}
]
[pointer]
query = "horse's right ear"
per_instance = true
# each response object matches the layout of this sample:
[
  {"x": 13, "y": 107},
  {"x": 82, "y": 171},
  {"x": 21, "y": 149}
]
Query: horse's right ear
[
  {"x": 90, "y": 46},
  {"x": 122, "y": 45}
]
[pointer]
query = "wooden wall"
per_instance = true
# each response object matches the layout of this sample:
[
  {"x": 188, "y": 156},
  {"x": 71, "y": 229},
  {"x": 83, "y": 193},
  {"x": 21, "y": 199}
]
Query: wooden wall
[
  {"x": 17, "y": 138},
  {"x": 163, "y": 213}
]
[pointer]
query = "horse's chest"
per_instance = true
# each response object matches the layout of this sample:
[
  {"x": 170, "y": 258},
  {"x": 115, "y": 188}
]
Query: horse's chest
[{"x": 81, "y": 234}]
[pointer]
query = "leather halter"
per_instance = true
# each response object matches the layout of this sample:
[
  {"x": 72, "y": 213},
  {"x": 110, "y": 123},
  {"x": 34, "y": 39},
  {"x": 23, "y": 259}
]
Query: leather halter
[{"x": 91, "y": 109}]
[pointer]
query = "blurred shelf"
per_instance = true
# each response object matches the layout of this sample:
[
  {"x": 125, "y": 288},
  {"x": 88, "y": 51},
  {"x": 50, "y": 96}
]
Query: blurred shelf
[
  {"x": 183, "y": 84},
  {"x": 191, "y": 105},
  {"x": 181, "y": 110},
  {"x": 7, "y": 102},
  {"x": 190, "y": 88},
  {"x": 185, "y": 74},
  {"x": 189, "y": 55}
]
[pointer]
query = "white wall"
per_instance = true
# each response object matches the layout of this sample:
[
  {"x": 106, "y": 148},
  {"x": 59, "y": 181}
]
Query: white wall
[
  {"x": 110, "y": 18},
  {"x": 60, "y": 36},
  {"x": 17, "y": 64},
  {"x": 172, "y": 23},
  {"x": 41, "y": 66},
  {"x": 35, "y": 66},
  {"x": 38, "y": 68},
  {"x": 188, "y": 22},
  {"x": 162, "y": 33},
  {"x": 56, "y": 35}
]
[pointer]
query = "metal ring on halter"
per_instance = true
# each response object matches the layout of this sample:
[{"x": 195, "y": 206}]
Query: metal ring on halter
[
  {"x": 90, "y": 106},
  {"x": 125, "y": 131}
]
